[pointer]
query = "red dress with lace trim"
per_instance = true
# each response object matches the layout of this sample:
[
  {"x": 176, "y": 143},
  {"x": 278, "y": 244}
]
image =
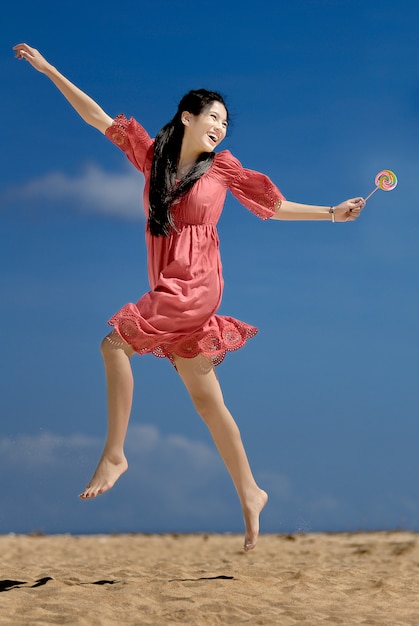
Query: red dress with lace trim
[{"x": 178, "y": 316}]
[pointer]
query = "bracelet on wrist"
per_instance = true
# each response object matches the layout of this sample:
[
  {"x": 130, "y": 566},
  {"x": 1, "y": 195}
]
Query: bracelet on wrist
[{"x": 332, "y": 213}]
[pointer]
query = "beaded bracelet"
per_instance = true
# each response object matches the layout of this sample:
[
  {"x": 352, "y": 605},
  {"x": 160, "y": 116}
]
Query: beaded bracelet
[{"x": 332, "y": 213}]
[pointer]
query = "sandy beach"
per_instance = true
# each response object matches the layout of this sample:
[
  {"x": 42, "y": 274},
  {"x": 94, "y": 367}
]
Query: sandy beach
[{"x": 111, "y": 580}]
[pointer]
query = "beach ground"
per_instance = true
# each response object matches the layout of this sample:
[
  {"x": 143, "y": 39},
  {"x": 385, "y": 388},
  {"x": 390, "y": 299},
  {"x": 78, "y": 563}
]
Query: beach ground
[{"x": 369, "y": 578}]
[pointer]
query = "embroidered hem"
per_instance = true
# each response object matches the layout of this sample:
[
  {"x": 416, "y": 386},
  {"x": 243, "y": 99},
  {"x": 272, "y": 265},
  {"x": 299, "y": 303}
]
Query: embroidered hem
[{"x": 227, "y": 335}]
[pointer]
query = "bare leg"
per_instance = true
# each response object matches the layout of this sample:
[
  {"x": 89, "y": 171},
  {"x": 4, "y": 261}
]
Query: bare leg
[
  {"x": 200, "y": 380},
  {"x": 120, "y": 385}
]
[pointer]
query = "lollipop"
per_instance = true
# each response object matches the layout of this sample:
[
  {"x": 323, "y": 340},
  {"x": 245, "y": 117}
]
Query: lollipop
[{"x": 385, "y": 180}]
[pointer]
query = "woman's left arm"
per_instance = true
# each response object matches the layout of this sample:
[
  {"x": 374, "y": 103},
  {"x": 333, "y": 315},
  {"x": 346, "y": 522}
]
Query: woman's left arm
[{"x": 344, "y": 212}]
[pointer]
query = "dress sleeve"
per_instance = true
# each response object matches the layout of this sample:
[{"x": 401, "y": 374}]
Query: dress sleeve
[
  {"x": 131, "y": 138},
  {"x": 252, "y": 189}
]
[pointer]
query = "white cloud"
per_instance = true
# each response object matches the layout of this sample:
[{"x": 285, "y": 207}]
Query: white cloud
[
  {"x": 45, "y": 450},
  {"x": 147, "y": 441},
  {"x": 93, "y": 190},
  {"x": 143, "y": 442}
]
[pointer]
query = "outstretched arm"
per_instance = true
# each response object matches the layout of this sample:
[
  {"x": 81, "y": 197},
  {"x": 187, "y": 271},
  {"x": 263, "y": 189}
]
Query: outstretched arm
[
  {"x": 87, "y": 108},
  {"x": 344, "y": 212}
]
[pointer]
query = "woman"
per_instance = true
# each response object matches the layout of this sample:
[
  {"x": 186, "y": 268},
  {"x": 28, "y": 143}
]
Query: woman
[{"x": 186, "y": 185}]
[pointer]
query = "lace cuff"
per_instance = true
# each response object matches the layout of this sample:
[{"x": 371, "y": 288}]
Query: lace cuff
[
  {"x": 131, "y": 138},
  {"x": 117, "y": 131}
]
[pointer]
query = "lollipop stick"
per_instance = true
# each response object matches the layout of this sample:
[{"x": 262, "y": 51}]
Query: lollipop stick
[{"x": 372, "y": 192}]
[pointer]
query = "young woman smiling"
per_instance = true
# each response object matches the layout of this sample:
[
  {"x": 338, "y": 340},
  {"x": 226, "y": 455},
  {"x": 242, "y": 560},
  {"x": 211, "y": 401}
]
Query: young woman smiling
[{"x": 185, "y": 188}]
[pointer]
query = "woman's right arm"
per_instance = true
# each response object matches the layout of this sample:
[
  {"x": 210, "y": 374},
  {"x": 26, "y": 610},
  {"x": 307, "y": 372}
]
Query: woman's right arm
[{"x": 87, "y": 108}]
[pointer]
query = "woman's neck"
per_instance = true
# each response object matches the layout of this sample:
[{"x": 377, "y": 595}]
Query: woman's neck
[
  {"x": 189, "y": 153},
  {"x": 187, "y": 160}
]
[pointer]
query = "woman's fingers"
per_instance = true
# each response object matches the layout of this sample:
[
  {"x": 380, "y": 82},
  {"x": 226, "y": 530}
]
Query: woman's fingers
[{"x": 22, "y": 51}]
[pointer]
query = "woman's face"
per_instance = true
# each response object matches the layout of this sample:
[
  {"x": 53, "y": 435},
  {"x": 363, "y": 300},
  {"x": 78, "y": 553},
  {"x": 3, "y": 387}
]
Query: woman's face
[{"x": 205, "y": 131}]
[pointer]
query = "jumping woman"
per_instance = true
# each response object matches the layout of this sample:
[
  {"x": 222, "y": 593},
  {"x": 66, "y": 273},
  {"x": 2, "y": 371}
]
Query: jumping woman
[{"x": 186, "y": 183}]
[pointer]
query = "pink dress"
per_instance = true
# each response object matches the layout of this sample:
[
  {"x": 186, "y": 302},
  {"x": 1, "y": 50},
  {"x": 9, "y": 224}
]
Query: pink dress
[{"x": 178, "y": 316}]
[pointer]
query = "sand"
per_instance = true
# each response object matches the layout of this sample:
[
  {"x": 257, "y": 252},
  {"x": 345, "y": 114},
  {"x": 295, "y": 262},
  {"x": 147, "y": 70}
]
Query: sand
[{"x": 112, "y": 580}]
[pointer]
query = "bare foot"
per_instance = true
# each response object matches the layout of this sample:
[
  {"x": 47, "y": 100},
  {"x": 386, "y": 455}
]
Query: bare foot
[
  {"x": 251, "y": 513},
  {"x": 107, "y": 473}
]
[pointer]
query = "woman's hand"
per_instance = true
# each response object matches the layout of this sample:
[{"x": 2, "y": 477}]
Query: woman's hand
[
  {"x": 349, "y": 210},
  {"x": 23, "y": 51}
]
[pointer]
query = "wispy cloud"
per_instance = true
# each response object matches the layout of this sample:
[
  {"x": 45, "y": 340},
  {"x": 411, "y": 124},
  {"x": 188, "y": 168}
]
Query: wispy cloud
[
  {"x": 93, "y": 190},
  {"x": 46, "y": 450},
  {"x": 144, "y": 441}
]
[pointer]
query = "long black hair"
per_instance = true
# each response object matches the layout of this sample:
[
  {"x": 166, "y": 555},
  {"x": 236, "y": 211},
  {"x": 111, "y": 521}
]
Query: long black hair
[{"x": 163, "y": 189}]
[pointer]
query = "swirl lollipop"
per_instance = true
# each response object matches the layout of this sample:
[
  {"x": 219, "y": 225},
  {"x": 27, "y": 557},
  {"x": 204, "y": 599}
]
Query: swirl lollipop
[{"x": 385, "y": 180}]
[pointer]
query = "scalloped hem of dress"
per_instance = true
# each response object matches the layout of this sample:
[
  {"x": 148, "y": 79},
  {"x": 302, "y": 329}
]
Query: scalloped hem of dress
[{"x": 214, "y": 345}]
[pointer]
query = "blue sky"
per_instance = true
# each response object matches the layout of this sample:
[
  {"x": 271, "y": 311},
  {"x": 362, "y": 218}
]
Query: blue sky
[{"x": 323, "y": 94}]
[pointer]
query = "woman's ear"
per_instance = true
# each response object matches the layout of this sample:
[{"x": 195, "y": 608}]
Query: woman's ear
[{"x": 186, "y": 118}]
